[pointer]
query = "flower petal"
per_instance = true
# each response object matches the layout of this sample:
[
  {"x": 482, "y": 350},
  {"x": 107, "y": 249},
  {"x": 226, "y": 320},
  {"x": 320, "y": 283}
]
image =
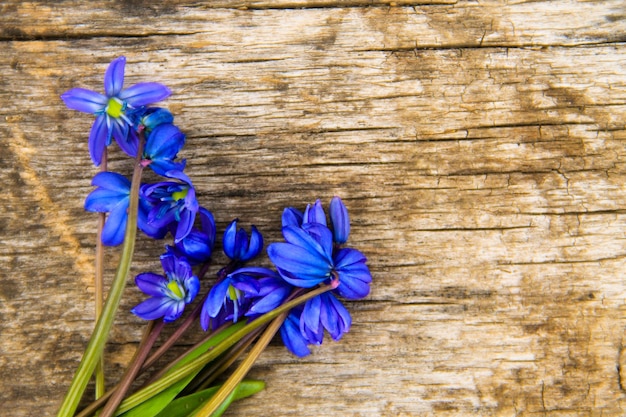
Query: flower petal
[
  {"x": 311, "y": 314},
  {"x": 84, "y": 100},
  {"x": 145, "y": 93},
  {"x": 214, "y": 301},
  {"x": 152, "y": 284},
  {"x": 154, "y": 308},
  {"x": 115, "y": 225},
  {"x": 292, "y": 337},
  {"x": 114, "y": 77},
  {"x": 340, "y": 220},
  {"x": 98, "y": 137},
  {"x": 112, "y": 181},
  {"x": 299, "y": 263},
  {"x": 291, "y": 217}
]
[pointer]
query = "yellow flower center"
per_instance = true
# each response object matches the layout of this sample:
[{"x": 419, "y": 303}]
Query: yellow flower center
[
  {"x": 114, "y": 107},
  {"x": 232, "y": 293},
  {"x": 179, "y": 195},
  {"x": 175, "y": 288}
]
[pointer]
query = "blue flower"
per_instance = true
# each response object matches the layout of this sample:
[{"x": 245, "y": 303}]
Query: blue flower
[
  {"x": 162, "y": 146},
  {"x": 305, "y": 325},
  {"x": 110, "y": 109},
  {"x": 307, "y": 259},
  {"x": 197, "y": 246},
  {"x": 229, "y": 299},
  {"x": 172, "y": 202},
  {"x": 237, "y": 245},
  {"x": 113, "y": 196},
  {"x": 273, "y": 291},
  {"x": 339, "y": 218},
  {"x": 168, "y": 294}
]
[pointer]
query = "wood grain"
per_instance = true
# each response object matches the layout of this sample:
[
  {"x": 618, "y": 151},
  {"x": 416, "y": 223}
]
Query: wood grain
[{"x": 479, "y": 147}]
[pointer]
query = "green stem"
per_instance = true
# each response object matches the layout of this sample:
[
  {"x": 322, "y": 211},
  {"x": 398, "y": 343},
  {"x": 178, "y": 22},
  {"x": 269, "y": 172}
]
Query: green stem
[
  {"x": 99, "y": 286},
  {"x": 94, "y": 349},
  {"x": 150, "y": 336},
  {"x": 228, "y": 388},
  {"x": 198, "y": 363}
]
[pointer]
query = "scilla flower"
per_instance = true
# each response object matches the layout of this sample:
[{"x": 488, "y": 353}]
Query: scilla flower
[
  {"x": 169, "y": 294},
  {"x": 162, "y": 146},
  {"x": 110, "y": 109},
  {"x": 197, "y": 246},
  {"x": 307, "y": 259},
  {"x": 237, "y": 245},
  {"x": 172, "y": 202}
]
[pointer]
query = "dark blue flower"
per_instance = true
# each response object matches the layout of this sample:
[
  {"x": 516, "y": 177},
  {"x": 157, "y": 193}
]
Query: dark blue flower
[
  {"x": 110, "y": 109},
  {"x": 307, "y": 259},
  {"x": 237, "y": 245},
  {"x": 229, "y": 299},
  {"x": 197, "y": 246},
  {"x": 168, "y": 294},
  {"x": 172, "y": 202},
  {"x": 162, "y": 146},
  {"x": 112, "y": 196}
]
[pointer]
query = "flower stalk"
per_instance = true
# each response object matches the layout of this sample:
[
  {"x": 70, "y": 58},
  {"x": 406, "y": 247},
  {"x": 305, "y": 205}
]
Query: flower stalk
[{"x": 94, "y": 349}]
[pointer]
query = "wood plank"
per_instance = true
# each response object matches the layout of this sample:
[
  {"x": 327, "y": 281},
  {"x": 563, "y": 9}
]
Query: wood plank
[{"x": 480, "y": 152}]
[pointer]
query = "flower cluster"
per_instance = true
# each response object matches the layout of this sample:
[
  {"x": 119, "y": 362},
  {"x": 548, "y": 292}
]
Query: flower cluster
[{"x": 313, "y": 264}]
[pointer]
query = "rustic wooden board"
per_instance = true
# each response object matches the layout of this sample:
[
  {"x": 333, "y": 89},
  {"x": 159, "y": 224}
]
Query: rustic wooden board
[{"x": 478, "y": 146}]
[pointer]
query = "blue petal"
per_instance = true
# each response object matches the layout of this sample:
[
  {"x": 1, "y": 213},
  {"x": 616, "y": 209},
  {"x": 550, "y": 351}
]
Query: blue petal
[
  {"x": 229, "y": 239},
  {"x": 292, "y": 337},
  {"x": 270, "y": 301},
  {"x": 152, "y": 284},
  {"x": 314, "y": 214},
  {"x": 98, "y": 137},
  {"x": 187, "y": 218},
  {"x": 154, "y": 308},
  {"x": 336, "y": 318},
  {"x": 192, "y": 284},
  {"x": 163, "y": 167},
  {"x": 175, "y": 311},
  {"x": 300, "y": 263},
  {"x": 115, "y": 225},
  {"x": 164, "y": 142},
  {"x": 114, "y": 77},
  {"x": 126, "y": 138},
  {"x": 311, "y": 314},
  {"x": 340, "y": 220},
  {"x": 291, "y": 217},
  {"x": 84, "y": 100},
  {"x": 354, "y": 275},
  {"x": 254, "y": 246},
  {"x": 103, "y": 201},
  {"x": 299, "y": 237},
  {"x": 214, "y": 301},
  {"x": 144, "y": 93},
  {"x": 112, "y": 181}
]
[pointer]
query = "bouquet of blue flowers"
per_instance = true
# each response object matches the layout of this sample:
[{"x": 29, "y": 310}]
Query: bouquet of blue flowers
[{"x": 240, "y": 311}]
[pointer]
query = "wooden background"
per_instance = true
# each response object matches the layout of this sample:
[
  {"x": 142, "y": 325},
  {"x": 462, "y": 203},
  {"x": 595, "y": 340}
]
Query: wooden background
[{"x": 479, "y": 147}]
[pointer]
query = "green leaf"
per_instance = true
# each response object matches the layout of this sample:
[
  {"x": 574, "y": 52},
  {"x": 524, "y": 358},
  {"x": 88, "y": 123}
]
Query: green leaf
[
  {"x": 155, "y": 404},
  {"x": 182, "y": 407}
]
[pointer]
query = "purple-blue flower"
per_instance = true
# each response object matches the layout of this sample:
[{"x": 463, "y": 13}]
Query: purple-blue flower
[
  {"x": 229, "y": 299},
  {"x": 292, "y": 337},
  {"x": 197, "y": 246},
  {"x": 307, "y": 259},
  {"x": 237, "y": 245},
  {"x": 168, "y": 294},
  {"x": 110, "y": 108},
  {"x": 172, "y": 202},
  {"x": 162, "y": 146}
]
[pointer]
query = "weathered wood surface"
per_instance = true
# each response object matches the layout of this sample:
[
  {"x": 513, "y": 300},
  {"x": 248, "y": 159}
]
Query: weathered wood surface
[{"x": 478, "y": 146}]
